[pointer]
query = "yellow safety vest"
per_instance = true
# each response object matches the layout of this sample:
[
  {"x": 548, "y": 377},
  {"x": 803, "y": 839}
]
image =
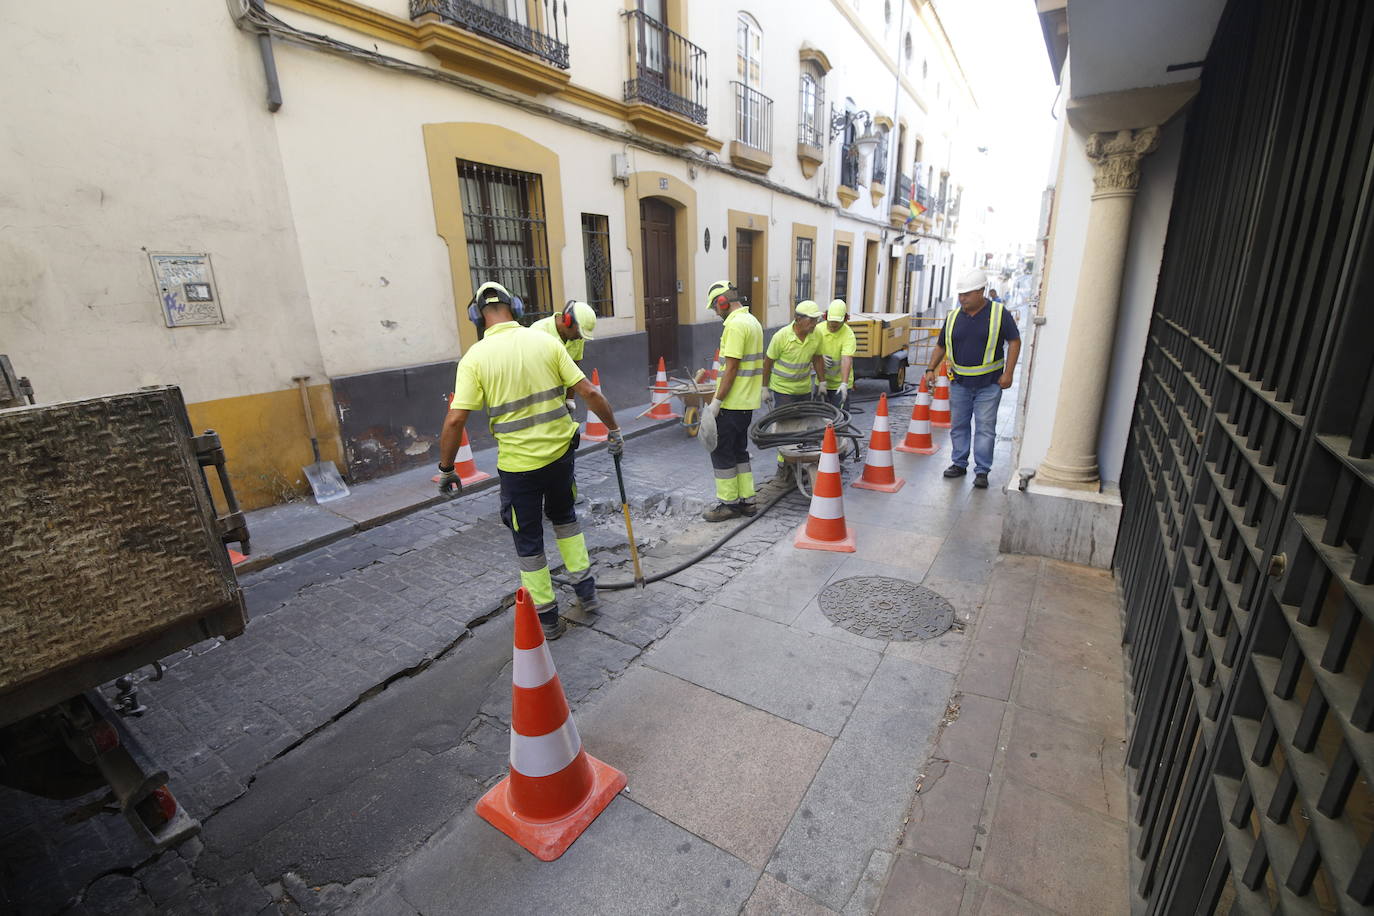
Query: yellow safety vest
[
  {"x": 520, "y": 376},
  {"x": 834, "y": 346},
  {"x": 791, "y": 358},
  {"x": 994, "y": 333},
  {"x": 742, "y": 339}
]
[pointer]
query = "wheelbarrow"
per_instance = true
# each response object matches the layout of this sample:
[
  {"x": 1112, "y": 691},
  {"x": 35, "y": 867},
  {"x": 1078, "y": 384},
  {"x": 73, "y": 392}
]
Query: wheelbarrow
[{"x": 695, "y": 395}]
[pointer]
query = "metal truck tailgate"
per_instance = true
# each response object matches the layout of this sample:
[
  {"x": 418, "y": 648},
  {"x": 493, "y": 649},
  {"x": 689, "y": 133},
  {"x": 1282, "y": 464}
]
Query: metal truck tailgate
[{"x": 109, "y": 551}]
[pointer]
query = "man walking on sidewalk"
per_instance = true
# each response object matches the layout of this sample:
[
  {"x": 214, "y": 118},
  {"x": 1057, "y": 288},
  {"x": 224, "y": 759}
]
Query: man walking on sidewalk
[
  {"x": 519, "y": 375},
  {"x": 975, "y": 335},
  {"x": 837, "y": 346},
  {"x": 738, "y": 393},
  {"x": 572, "y": 327}
]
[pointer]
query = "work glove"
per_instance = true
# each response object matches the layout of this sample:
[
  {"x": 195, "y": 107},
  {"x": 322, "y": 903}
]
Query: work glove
[
  {"x": 450, "y": 484},
  {"x": 844, "y": 393},
  {"x": 571, "y": 405},
  {"x": 713, "y": 408},
  {"x": 615, "y": 442},
  {"x": 768, "y": 399}
]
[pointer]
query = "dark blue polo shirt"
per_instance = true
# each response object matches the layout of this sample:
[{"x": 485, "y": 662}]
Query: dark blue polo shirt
[{"x": 971, "y": 338}]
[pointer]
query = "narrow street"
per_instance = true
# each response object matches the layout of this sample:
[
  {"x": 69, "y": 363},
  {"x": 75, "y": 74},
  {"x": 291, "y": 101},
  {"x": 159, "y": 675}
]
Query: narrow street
[{"x": 335, "y": 750}]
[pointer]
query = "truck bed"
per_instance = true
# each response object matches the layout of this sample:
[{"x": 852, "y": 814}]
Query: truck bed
[{"x": 110, "y": 557}]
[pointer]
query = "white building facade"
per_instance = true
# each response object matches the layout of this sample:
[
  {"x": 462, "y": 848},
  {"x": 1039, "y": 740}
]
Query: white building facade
[{"x": 228, "y": 197}]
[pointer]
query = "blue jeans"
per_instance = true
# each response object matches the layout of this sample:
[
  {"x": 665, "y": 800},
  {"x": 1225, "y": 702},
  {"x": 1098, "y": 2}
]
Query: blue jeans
[{"x": 969, "y": 407}]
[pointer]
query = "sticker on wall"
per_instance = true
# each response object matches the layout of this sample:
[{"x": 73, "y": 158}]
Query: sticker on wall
[
  {"x": 708, "y": 239},
  {"x": 724, "y": 237},
  {"x": 186, "y": 289}
]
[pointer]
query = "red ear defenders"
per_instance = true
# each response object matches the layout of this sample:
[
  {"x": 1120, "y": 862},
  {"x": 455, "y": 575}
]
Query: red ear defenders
[{"x": 568, "y": 319}]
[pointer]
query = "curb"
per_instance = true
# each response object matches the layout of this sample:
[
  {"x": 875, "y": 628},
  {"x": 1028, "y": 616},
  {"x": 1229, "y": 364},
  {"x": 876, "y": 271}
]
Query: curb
[{"x": 259, "y": 562}]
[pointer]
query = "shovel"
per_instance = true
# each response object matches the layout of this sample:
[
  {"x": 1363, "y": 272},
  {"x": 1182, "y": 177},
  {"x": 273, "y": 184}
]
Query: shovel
[
  {"x": 629, "y": 529},
  {"x": 323, "y": 476}
]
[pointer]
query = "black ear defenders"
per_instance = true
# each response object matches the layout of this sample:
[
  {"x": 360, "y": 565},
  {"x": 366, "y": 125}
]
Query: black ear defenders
[{"x": 517, "y": 308}]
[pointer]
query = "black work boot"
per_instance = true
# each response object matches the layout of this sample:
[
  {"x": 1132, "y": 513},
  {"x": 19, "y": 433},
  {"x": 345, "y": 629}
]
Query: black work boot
[
  {"x": 955, "y": 471},
  {"x": 552, "y": 625},
  {"x": 747, "y": 508},
  {"x": 980, "y": 481}
]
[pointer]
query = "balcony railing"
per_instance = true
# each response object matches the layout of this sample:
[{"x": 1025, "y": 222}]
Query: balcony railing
[
  {"x": 667, "y": 71},
  {"x": 753, "y": 118},
  {"x": 903, "y": 190},
  {"x": 536, "y": 27}
]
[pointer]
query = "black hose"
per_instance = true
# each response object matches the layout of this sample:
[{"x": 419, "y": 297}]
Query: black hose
[
  {"x": 692, "y": 560},
  {"x": 820, "y": 414}
]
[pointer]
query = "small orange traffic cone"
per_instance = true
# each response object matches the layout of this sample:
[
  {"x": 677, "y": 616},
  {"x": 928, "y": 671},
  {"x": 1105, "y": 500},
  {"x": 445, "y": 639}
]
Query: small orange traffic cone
[
  {"x": 466, "y": 467},
  {"x": 594, "y": 430},
  {"x": 918, "y": 441},
  {"x": 939, "y": 405},
  {"x": 555, "y": 788},
  {"x": 661, "y": 410},
  {"x": 825, "y": 528},
  {"x": 235, "y": 557},
  {"x": 878, "y": 473},
  {"x": 713, "y": 374}
]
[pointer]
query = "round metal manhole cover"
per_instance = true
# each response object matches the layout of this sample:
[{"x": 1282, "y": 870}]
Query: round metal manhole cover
[{"x": 883, "y": 608}]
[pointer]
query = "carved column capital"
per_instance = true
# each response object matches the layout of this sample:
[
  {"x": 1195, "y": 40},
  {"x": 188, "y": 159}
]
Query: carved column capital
[{"x": 1116, "y": 158}]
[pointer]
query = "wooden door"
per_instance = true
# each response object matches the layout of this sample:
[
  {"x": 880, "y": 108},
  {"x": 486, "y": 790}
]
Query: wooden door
[
  {"x": 659, "y": 240},
  {"x": 744, "y": 265},
  {"x": 870, "y": 277}
]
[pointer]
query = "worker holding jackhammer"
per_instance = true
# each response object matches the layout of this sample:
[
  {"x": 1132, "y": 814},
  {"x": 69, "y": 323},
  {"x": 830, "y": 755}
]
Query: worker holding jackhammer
[
  {"x": 572, "y": 327},
  {"x": 837, "y": 346},
  {"x": 520, "y": 376},
  {"x": 738, "y": 393},
  {"x": 792, "y": 364}
]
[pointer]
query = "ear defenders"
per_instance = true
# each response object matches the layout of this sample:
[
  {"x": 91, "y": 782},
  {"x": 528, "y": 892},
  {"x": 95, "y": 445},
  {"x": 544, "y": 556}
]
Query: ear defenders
[
  {"x": 568, "y": 318},
  {"x": 492, "y": 297}
]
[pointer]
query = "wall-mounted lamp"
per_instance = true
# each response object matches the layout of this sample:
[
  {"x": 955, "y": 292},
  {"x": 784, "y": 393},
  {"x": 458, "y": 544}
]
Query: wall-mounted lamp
[{"x": 865, "y": 143}]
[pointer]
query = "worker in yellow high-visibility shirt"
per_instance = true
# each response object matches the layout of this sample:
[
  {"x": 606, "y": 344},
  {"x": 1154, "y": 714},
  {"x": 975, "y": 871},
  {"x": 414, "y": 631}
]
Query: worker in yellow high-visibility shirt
[
  {"x": 738, "y": 392},
  {"x": 791, "y": 362},
  {"x": 572, "y": 327},
  {"x": 519, "y": 376},
  {"x": 837, "y": 347}
]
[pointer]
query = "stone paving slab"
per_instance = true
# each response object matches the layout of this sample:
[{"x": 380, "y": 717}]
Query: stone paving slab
[
  {"x": 972, "y": 738},
  {"x": 947, "y": 814},
  {"x": 806, "y": 679},
  {"x": 1080, "y": 766},
  {"x": 729, "y": 773},
  {"x": 1084, "y": 697},
  {"x": 773, "y": 898},
  {"x": 916, "y": 887},
  {"x": 629, "y": 861},
  {"x": 856, "y": 802}
]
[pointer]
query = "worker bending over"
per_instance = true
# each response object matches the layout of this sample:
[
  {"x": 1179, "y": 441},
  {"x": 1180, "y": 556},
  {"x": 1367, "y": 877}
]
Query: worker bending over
[
  {"x": 738, "y": 392},
  {"x": 519, "y": 376},
  {"x": 572, "y": 327},
  {"x": 837, "y": 347},
  {"x": 791, "y": 362}
]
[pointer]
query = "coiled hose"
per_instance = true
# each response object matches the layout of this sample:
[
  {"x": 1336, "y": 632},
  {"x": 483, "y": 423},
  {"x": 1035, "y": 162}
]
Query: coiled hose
[{"x": 815, "y": 416}]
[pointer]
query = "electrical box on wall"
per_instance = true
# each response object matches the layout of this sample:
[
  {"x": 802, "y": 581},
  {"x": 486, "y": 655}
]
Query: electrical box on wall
[
  {"x": 620, "y": 168},
  {"x": 186, "y": 289}
]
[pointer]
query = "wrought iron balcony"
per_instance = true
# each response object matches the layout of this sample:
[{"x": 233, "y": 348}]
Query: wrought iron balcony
[
  {"x": 666, "y": 70},
  {"x": 536, "y": 27},
  {"x": 753, "y": 118}
]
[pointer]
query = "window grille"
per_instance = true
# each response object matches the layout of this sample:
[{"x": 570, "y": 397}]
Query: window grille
[
  {"x": 841, "y": 272},
  {"x": 507, "y": 239},
  {"x": 596, "y": 260},
  {"x": 811, "y": 129},
  {"x": 805, "y": 250}
]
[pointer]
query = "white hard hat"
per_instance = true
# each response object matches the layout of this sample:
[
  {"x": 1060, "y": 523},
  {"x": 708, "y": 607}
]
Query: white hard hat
[
  {"x": 974, "y": 279},
  {"x": 585, "y": 316}
]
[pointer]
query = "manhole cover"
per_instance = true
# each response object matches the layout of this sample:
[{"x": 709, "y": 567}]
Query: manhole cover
[{"x": 882, "y": 608}]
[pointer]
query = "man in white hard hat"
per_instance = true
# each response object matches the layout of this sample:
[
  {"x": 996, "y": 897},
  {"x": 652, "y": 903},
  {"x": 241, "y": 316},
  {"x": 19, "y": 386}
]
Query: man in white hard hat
[
  {"x": 983, "y": 343},
  {"x": 572, "y": 327}
]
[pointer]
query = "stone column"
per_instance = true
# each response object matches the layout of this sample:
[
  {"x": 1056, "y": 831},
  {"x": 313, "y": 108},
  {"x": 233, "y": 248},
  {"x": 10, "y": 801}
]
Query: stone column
[{"x": 1072, "y": 457}]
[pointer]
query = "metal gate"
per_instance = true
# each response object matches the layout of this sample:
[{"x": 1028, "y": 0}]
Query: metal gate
[{"x": 1246, "y": 550}]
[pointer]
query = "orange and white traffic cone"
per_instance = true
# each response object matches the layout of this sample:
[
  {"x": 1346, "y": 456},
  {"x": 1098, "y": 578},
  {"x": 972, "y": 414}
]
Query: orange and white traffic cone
[
  {"x": 555, "y": 788},
  {"x": 661, "y": 409},
  {"x": 713, "y": 374},
  {"x": 878, "y": 473},
  {"x": 825, "y": 528},
  {"x": 939, "y": 405},
  {"x": 466, "y": 467},
  {"x": 594, "y": 430},
  {"x": 918, "y": 441}
]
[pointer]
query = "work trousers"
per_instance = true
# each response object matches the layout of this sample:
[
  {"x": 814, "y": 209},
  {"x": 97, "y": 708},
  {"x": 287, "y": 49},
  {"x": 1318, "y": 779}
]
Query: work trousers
[
  {"x": 730, "y": 458},
  {"x": 528, "y": 496},
  {"x": 976, "y": 409}
]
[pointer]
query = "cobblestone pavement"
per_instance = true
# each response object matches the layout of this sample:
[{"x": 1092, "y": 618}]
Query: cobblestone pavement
[{"x": 268, "y": 738}]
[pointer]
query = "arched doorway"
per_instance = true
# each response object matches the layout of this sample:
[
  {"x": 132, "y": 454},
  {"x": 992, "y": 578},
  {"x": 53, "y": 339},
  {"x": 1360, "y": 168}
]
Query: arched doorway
[{"x": 658, "y": 237}]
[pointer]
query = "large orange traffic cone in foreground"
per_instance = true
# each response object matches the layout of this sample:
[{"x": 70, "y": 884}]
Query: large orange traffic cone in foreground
[
  {"x": 555, "y": 789},
  {"x": 466, "y": 467},
  {"x": 918, "y": 441},
  {"x": 825, "y": 528},
  {"x": 878, "y": 473},
  {"x": 594, "y": 430},
  {"x": 661, "y": 410},
  {"x": 939, "y": 405}
]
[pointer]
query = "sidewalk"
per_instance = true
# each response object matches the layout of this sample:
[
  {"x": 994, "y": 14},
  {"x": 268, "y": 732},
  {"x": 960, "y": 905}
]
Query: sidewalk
[
  {"x": 282, "y": 532},
  {"x": 780, "y": 764}
]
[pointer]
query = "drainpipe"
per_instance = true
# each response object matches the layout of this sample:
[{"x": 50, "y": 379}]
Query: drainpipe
[{"x": 269, "y": 63}]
